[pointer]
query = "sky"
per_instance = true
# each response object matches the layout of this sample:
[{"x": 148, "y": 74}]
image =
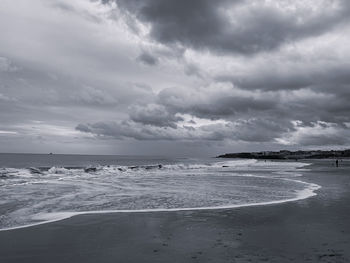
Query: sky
[{"x": 180, "y": 78}]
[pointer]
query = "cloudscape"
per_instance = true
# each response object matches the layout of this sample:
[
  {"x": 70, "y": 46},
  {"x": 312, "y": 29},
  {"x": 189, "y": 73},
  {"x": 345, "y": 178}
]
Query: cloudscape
[{"x": 179, "y": 77}]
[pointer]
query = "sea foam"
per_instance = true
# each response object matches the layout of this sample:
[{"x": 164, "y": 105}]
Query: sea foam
[{"x": 57, "y": 193}]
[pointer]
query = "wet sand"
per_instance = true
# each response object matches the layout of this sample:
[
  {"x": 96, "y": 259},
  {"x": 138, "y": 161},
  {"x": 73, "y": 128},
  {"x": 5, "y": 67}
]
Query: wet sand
[{"x": 316, "y": 229}]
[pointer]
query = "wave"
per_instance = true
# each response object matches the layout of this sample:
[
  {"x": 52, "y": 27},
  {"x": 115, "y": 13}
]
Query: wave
[
  {"x": 246, "y": 164},
  {"x": 179, "y": 166},
  {"x": 70, "y": 191}
]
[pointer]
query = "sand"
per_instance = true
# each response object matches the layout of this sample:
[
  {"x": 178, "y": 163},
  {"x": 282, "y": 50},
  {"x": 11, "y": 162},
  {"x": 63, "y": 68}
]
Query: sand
[{"x": 316, "y": 229}]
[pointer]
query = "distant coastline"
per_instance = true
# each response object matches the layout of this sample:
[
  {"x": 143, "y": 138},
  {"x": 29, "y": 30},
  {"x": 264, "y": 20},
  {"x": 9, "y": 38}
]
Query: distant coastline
[{"x": 285, "y": 155}]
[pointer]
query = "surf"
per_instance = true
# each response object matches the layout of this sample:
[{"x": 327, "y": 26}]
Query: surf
[{"x": 149, "y": 188}]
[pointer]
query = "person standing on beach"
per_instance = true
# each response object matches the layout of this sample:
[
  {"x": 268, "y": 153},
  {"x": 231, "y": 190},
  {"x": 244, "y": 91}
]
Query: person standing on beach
[{"x": 336, "y": 163}]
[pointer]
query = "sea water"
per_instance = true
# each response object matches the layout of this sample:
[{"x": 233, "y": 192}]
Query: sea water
[{"x": 36, "y": 189}]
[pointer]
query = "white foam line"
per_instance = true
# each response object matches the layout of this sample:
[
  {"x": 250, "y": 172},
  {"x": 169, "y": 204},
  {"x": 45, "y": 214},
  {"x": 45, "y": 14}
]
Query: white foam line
[{"x": 303, "y": 194}]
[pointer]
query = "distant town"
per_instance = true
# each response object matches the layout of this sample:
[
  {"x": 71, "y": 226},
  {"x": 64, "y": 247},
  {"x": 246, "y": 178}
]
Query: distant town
[{"x": 284, "y": 154}]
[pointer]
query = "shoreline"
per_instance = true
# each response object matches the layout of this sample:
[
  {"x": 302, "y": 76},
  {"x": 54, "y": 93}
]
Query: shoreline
[{"x": 315, "y": 229}]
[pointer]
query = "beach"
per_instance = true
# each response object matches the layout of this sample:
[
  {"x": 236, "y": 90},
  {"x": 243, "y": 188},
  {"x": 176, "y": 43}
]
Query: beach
[{"x": 315, "y": 229}]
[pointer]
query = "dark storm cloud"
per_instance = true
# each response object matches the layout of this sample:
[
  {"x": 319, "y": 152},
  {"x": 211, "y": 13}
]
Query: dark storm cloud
[
  {"x": 244, "y": 27},
  {"x": 249, "y": 117},
  {"x": 165, "y": 120}
]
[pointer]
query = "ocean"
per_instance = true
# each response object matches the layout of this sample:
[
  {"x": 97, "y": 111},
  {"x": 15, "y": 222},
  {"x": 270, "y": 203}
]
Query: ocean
[{"x": 40, "y": 188}]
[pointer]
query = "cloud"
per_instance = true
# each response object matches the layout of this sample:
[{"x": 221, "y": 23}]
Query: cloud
[
  {"x": 253, "y": 130},
  {"x": 275, "y": 74},
  {"x": 243, "y": 115},
  {"x": 248, "y": 130},
  {"x": 155, "y": 115},
  {"x": 243, "y": 27},
  {"x": 126, "y": 76},
  {"x": 147, "y": 59},
  {"x": 215, "y": 101},
  {"x": 318, "y": 134}
]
